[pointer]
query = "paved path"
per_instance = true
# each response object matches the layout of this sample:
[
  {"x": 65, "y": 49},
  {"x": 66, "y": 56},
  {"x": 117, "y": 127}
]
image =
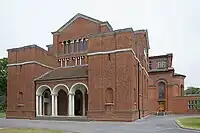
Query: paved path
[{"x": 153, "y": 124}]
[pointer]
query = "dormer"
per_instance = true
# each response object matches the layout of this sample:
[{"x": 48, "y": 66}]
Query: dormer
[{"x": 161, "y": 62}]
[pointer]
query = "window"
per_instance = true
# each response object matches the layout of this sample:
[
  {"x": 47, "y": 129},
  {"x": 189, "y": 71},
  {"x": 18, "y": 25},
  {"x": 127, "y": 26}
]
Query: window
[
  {"x": 145, "y": 52},
  {"x": 65, "y": 47},
  {"x": 79, "y": 45},
  {"x": 109, "y": 57},
  {"x": 150, "y": 65},
  {"x": 135, "y": 95},
  {"x": 84, "y": 44},
  {"x": 191, "y": 105},
  {"x": 69, "y": 47},
  {"x": 161, "y": 64},
  {"x": 20, "y": 97},
  {"x": 75, "y": 46},
  {"x": 161, "y": 89}
]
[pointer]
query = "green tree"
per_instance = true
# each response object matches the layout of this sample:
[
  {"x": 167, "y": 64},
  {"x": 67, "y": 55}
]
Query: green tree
[
  {"x": 3, "y": 83},
  {"x": 192, "y": 90}
]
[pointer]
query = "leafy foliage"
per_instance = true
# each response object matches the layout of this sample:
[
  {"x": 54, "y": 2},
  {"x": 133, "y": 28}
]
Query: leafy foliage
[
  {"x": 192, "y": 91},
  {"x": 3, "y": 83}
]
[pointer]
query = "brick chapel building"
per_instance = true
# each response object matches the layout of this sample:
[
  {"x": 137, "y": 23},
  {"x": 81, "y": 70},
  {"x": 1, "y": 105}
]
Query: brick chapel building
[{"x": 92, "y": 72}]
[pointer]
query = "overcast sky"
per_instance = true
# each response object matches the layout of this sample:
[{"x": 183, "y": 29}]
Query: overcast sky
[{"x": 173, "y": 25}]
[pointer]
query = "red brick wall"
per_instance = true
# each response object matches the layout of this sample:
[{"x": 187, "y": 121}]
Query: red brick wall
[
  {"x": 31, "y": 53},
  {"x": 182, "y": 103},
  {"x": 21, "y": 79},
  {"x": 78, "y": 29},
  {"x": 118, "y": 74}
]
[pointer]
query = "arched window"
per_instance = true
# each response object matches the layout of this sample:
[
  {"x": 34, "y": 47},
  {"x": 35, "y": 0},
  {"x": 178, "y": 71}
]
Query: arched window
[
  {"x": 109, "y": 95},
  {"x": 84, "y": 44},
  {"x": 20, "y": 97},
  {"x": 161, "y": 89}
]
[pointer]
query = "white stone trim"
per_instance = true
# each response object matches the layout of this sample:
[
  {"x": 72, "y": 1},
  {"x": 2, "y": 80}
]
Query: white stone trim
[
  {"x": 120, "y": 50},
  {"x": 56, "y": 105},
  {"x": 29, "y": 62},
  {"x": 43, "y": 75},
  {"x": 54, "y": 89},
  {"x": 40, "y": 104},
  {"x": 112, "y": 51},
  {"x": 37, "y": 105},
  {"x": 78, "y": 83},
  {"x": 40, "y": 93},
  {"x": 52, "y": 105},
  {"x": 74, "y": 18}
]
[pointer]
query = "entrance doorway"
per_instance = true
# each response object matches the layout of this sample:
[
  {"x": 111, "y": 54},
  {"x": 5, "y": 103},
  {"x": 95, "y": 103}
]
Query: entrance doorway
[
  {"x": 62, "y": 103},
  {"x": 161, "y": 106}
]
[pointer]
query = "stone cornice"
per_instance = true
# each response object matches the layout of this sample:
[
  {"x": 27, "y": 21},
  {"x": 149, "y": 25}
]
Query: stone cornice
[{"x": 29, "y": 62}]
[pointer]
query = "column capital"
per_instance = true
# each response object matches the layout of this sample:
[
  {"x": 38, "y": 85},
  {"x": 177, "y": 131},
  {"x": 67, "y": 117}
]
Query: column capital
[
  {"x": 70, "y": 93},
  {"x": 54, "y": 94}
]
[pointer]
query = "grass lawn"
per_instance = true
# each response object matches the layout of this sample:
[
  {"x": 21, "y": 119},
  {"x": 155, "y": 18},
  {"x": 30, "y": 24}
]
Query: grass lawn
[
  {"x": 29, "y": 130},
  {"x": 193, "y": 123},
  {"x": 2, "y": 115}
]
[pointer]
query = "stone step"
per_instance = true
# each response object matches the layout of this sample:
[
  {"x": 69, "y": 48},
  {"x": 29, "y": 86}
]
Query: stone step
[{"x": 62, "y": 118}]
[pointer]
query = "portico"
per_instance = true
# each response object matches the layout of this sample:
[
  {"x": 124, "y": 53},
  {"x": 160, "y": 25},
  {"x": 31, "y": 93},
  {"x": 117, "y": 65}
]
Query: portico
[{"x": 62, "y": 101}]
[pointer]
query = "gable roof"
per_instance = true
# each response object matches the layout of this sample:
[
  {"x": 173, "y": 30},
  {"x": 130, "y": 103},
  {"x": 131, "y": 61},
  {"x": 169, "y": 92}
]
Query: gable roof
[{"x": 79, "y": 15}]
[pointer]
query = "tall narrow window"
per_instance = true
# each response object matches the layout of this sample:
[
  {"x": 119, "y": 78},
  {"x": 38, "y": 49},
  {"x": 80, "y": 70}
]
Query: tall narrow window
[
  {"x": 161, "y": 88},
  {"x": 150, "y": 65},
  {"x": 69, "y": 47},
  {"x": 109, "y": 57},
  {"x": 75, "y": 46},
  {"x": 65, "y": 47},
  {"x": 79, "y": 45},
  {"x": 84, "y": 44},
  {"x": 162, "y": 64},
  {"x": 20, "y": 97},
  {"x": 135, "y": 95}
]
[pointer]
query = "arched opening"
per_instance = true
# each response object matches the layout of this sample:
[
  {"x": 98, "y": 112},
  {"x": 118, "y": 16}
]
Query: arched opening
[
  {"x": 79, "y": 97},
  {"x": 182, "y": 90},
  {"x": 78, "y": 102},
  {"x": 62, "y": 103},
  {"x": 161, "y": 97},
  {"x": 161, "y": 88},
  {"x": 43, "y": 100},
  {"x": 46, "y": 100}
]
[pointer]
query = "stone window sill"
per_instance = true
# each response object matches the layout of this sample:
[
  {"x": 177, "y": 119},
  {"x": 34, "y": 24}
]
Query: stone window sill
[{"x": 109, "y": 104}]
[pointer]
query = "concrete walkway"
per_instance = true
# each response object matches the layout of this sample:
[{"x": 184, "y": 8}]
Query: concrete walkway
[{"x": 153, "y": 124}]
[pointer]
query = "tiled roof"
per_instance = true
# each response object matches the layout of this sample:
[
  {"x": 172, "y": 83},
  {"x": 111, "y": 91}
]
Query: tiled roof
[{"x": 65, "y": 73}]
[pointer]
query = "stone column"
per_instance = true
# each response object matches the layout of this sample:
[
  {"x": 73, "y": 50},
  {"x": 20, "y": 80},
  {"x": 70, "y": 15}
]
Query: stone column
[
  {"x": 40, "y": 99},
  {"x": 56, "y": 105},
  {"x": 52, "y": 105},
  {"x": 76, "y": 61},
  {"x": 80, "y": 60},
  {"x": 71, "y": 104},
  {"x": 83, "y": 104},
  {"x": 37, "y": 105}
]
